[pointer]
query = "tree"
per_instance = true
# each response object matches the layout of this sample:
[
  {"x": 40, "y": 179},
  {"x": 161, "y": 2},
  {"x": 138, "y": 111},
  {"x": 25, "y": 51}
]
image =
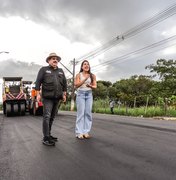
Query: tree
[
  {"x": 112, "y": 93},
  {"x": 166, "y": 70},
  {"x": 106, "y": 83},
  {"x": 101, "y": 91},
  {"x": 136, "y": 88}
]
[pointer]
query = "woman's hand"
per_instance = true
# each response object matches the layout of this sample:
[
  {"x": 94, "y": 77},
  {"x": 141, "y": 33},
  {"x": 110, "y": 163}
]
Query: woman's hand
[{"x": 89, "y": 85}]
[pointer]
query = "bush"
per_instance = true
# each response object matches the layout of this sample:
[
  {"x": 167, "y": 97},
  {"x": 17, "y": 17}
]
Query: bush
[{"x": 102, "y": 106}]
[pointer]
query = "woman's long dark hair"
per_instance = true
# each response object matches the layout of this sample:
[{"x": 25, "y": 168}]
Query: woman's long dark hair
[{"x": 81, "y": 69}]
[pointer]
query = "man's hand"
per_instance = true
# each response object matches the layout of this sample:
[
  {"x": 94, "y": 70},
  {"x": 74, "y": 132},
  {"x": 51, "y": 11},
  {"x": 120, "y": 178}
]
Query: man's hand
[
  {"x": 64, "y": 98},
  {"x": 38, "y": 98}
]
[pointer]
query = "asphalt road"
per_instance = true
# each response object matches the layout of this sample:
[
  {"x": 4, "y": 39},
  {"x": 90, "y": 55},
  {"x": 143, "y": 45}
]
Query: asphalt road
[{"x": 121, "y": 148}]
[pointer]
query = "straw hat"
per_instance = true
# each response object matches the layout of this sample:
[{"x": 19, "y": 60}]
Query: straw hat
[{"x": 53, "y": 55}]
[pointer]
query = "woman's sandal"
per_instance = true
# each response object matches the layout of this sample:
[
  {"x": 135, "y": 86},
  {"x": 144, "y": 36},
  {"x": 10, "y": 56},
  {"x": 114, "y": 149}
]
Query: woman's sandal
[
  {"x": 80, "y": 136},
  {"x": 86, "y": 136}
]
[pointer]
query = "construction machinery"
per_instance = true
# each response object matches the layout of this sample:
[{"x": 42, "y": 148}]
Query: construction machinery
[
  {"x": 32, "y": 105},
  {"x": 27, "y": 87},
  {"x": 35, "y": 107},
  {"x": 14, "y": 98},
  {"x": 20, "y": 97}
]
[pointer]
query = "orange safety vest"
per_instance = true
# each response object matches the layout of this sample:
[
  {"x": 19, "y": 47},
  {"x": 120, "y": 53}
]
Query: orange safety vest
[{"x": 33, "y": 93}]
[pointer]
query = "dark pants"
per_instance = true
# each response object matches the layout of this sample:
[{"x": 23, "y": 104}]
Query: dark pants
[
  {"x": 112, "y": 110},
  {"x": 50, "y": 108}
]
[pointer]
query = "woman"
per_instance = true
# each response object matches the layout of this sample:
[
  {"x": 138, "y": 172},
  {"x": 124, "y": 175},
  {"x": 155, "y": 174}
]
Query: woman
[{"x": 85, "y": 81}]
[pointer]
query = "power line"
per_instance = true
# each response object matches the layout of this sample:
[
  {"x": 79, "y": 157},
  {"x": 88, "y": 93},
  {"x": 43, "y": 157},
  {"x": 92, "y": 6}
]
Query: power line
[
  {"x": 170, "y": 11},
  {"x": 157, "y": 18},
  {"x": 126, "y": 56}
]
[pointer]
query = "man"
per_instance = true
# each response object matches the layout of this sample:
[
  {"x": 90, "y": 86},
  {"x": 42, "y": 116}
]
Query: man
[
  {"x": 53, "y": 84},
  {"x": 111, "y": 104}
]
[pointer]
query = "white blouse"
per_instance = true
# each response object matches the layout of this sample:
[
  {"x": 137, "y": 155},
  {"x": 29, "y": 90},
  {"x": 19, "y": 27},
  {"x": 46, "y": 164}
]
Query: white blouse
[{"x": 83, "y": 87}]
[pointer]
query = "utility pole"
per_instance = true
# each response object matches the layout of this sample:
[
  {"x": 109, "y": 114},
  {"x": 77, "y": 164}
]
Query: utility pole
[{"x": 73, "y": 87}]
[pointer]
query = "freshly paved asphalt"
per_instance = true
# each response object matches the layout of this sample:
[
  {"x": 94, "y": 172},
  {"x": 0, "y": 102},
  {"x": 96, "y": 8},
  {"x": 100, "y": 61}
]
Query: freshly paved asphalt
[{"x": 121, "y": 148}]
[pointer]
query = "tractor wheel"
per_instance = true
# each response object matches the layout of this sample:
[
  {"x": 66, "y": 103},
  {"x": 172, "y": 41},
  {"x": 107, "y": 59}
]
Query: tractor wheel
[
  {"x": 22, "y": 109},
  {"x": 31, "y": 111},
  {"x": 40, "y": 111},
  {"x": 15, "y": 108},
  {"x": 34, "y": 109},
  {"x": 4, "y": 109},
  {"x": 30, "y": 108},
  {"x": 8, "y": 110}
]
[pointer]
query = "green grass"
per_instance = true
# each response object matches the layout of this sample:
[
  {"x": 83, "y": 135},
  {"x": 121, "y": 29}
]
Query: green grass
[{"x": 102, "y": 106}]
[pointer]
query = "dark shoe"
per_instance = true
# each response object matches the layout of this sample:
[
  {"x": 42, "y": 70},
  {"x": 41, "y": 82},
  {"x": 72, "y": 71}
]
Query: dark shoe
[
  {"x": 48, "y": 142},
  {"x": 54, "y": 138}
]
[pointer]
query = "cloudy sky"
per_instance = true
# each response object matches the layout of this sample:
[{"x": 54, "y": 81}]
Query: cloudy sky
[{"x": 30, "y": 30}]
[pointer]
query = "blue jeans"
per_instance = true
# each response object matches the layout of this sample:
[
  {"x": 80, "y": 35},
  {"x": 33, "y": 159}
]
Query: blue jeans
[
  {"x": 84, "y": 102},
  {"x": 50, "y": 108}
]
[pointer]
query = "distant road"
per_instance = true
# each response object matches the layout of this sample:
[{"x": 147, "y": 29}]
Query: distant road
[{"x": 121, "y": 148}]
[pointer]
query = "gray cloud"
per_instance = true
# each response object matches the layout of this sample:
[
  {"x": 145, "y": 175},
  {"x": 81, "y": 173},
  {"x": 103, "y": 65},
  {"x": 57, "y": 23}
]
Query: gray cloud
[
  {"x": 11, "y": 68},
  {"x": 100, "y": 19},
  {"x": 95, "y": 20}
]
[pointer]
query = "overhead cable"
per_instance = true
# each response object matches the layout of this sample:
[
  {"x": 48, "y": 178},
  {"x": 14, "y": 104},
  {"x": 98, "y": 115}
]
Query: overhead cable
[{"x": 157, "y": 18}]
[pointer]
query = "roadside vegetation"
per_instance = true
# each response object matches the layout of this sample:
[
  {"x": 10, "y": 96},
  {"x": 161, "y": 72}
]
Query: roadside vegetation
[
  {"x": 139, "y": 95},
  {"x": 102, "y": 106}
]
